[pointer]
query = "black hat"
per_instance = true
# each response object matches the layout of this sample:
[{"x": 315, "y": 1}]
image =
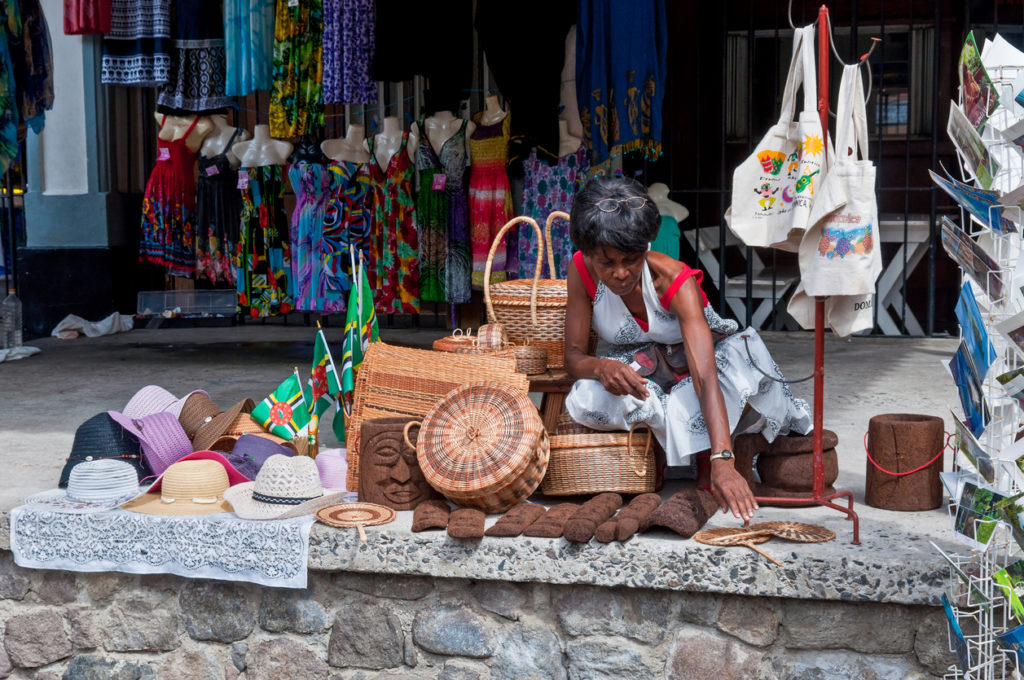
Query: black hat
[{"x": 102, "y": 437}]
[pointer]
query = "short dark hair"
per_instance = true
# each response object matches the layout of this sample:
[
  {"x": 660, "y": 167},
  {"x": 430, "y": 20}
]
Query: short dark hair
[{"x": 625, "y": 229}]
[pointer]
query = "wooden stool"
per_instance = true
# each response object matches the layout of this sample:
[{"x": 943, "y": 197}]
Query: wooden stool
[{"x": 554, "y": 384}]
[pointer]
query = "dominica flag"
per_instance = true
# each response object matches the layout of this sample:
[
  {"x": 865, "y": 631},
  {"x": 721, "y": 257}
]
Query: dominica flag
[
  {"x": 284, "y": 412},
  {"x": 324, "y": 386},
  {"x": 360, "y": 330}
]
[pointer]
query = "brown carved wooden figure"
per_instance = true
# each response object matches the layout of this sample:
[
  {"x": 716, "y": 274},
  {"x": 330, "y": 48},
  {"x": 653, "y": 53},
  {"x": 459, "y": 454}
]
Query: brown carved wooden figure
[{"x": 389, "y": 474}]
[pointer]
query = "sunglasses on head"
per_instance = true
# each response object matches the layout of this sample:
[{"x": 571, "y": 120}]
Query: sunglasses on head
[{"x": 610, "y": 205}]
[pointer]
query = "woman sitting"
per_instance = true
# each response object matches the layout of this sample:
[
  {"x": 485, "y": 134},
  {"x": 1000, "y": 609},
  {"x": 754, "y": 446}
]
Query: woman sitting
[{"x": 674, "y": 364}]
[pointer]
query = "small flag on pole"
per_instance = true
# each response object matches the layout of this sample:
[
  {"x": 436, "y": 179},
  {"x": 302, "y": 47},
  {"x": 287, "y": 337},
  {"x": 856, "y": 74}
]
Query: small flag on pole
[
  {"x": 324, "y": 385},
  {"x": 284, "y": 412},
  {"x": 360, "y": 330}
]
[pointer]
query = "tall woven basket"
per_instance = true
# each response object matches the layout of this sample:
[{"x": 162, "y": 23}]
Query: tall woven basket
[
  {"x": 600, "y": 461},
  {"x": 401, "y": 381},
  {"x": 532, "y": 310},
  {"x": 483, "y": 446}
]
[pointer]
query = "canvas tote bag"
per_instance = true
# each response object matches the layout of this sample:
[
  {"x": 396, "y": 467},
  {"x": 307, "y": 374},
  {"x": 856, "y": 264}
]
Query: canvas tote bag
[{"x": 774, "y": 188}]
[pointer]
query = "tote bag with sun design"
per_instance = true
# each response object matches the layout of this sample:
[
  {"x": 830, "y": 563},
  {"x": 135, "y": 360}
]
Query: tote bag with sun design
[{"x": 774, "y": 188}]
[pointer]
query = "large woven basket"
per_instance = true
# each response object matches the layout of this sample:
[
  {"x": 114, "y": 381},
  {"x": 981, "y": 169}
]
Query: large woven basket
[
  {"x": 401, "y": 381},
  {"x": 483, "y": 446},
  {"x": 603, "y": 461},
  {"x": 532, "y": 310}
]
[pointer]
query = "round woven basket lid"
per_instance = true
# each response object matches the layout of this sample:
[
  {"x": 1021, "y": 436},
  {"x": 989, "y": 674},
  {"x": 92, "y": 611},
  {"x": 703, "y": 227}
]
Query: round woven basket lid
[
  {"x": 732, "y": 536},
  {"x": 796, "y": 531},
  {"x": 477, "y": 438},
  {"x": 355, "y": 514}
]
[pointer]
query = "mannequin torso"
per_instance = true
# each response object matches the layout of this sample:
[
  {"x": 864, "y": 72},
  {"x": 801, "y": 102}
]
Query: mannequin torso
[
  {"x": 667, "y": 207},
  {"x": 492, "y": 113},
  {"x": 567, "y": 143},
  {"x": 442, "y": 126},
  {"x": 215, "y": 142},
  {"x": 348, "y": 149},
  {"x": 308, "y": 150},
  {"x": 389, "y": 140},
  {"x": 173, "y": 128},
  {"x": 262, "y": 149}
]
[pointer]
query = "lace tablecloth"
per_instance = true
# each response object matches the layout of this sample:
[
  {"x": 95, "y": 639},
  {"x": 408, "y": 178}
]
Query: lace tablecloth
[{"x": 220, "y": 546}]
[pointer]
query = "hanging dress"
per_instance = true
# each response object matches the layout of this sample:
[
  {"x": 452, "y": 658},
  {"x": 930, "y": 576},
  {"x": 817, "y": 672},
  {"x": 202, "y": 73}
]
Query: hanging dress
[
  {"x": 218, "y": 210},
  {"x": 262, "y": 261},
  {"x": 10, "y": 32},
  {"x": 248, "y": 46},
  {"x": 348, "y": 50},
  {"x": 196, "y": 81},
  {"x": 296, "y": 100},
  {"x": 346, "y": 230},
  {"x": 33, "y": 66},
  {"x": 442, "y": 215},
  {"x": 490, "y": 196},
  {"x": 86, "y": 16},
  {"x": 394, "y": 271},
  {"x": 675, "y": 416},
  {"x": 169, "y": 208},
  {"x": 547, "y": 188},
  {"x": 137, "y": 50},
  {"x": 311, "y": 183}
]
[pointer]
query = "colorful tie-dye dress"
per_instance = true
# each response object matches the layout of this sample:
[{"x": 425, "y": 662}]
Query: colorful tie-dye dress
[
  {"x": 490, "y": 196},
  {"x": 395, "y": 272},
  {"x": 263, "y": 260},
  {"x": 346, "y": 230},
  {"x": 311, "y": 183}
]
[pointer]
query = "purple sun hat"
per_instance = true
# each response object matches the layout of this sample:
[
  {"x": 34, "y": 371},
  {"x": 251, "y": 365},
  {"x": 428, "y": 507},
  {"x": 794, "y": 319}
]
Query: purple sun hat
[
  {"x": 251, "y": 451},
  {"x": 163, "y": 439},
  {"x": 147, "y": 401}
]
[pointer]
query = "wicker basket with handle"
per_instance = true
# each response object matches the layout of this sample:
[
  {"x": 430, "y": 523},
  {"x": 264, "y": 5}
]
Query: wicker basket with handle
[
  {"x": 603, "y": 461},
  {"x": 402, "y": 381},
  {"x": 530, "y": 309},
  {"x": 483, "y": 446}
]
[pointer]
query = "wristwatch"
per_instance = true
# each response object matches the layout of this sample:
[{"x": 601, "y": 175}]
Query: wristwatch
[{"x": 724, "y": 454}]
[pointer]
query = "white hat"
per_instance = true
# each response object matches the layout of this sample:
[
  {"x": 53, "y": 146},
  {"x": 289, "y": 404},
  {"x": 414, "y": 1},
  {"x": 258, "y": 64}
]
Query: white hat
[
  {"x": 286, "y": 486},
  {"x": 93, "y": 486}
]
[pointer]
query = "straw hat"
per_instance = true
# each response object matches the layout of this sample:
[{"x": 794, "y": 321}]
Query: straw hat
[
  {"x": 197, "y": 410},
  {"x": 243, "y": 425},
  {"x": 93, "y": 486},
  {"x": 333, "y": 467},
  {"x": 102, "y": 437},
  {"x": 163, "y": 440},
  {"x": 235, "y": 476},
  {"x": 189, "y": 487},
  {"x": 250, "y": 452},
  {"x": 155, "y": 399},
  {"x": 218, "y": 425},
  {"x": 285, "y": 487}
]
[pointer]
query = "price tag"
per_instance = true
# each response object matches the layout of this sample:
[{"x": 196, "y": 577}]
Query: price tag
[
  {"x": 243, "y": 179},
  {"x": 212, "y": 170},
  {"x": 293, "y": 3},
  {"x": 163, "y": 154},
  {"x": 440, "y": 180}
]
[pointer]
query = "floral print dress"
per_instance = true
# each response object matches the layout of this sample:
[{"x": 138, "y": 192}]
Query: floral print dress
[
  {"x": 263, "y": 260},
  {"x": 169, "y": 208},
  {"x": 296, "y": 100},
  {"x": 395, "y": 273}
]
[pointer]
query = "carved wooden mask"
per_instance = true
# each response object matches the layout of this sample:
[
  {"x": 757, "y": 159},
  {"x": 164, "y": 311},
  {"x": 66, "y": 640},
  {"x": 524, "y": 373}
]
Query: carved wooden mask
[{"x": 389, "y": 474}]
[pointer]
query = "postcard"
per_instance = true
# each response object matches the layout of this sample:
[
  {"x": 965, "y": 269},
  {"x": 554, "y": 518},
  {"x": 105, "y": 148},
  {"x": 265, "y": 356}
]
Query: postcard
[
  {"x": 1013, "y": 384},
  {"x": 979, "y": 94},
  {"x": 968, "y": 385},
  {"x": 1011, "y": 580},
  {"x": 966, "y": 444},
  {"x": 1011, "y": 640},
  {"x": 972, "y": 329},
  {"x": 973, "y": 259},
  {"x": 1013, "y": 330},
  {"x": 972, "y": 149},
  {"x": 954, "y": 483},
  {"x": 976, "y": 516},
  {"x": 978, "y": 202},
  {"x": 963, "y": 656},
  {"x": 977, "y": 596}
]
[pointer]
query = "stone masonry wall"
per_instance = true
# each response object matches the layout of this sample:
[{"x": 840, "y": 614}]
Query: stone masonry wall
[{"x": 349, "y": 626}]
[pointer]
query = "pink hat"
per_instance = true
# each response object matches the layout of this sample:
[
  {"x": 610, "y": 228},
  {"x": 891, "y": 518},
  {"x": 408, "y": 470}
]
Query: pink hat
[
  {"x": 147, "y": 401},
  {"x": 333, "y": 467},
  {"x": 234, "y": 476},
  {"x": 163, "y": 439}
]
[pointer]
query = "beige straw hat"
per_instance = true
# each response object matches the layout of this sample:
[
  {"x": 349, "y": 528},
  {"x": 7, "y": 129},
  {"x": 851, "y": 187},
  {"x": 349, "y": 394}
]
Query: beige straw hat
[
  {"x": 284, "y": 487},
  {"x": 188, "y": 487}
]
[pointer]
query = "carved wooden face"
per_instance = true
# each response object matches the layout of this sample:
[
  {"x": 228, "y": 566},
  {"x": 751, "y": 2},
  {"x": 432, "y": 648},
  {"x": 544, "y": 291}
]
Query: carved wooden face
[{"x": 389, "y": 474}]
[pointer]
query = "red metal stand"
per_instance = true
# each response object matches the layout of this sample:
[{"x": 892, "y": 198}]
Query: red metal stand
[{"x": 818, "y": 488}]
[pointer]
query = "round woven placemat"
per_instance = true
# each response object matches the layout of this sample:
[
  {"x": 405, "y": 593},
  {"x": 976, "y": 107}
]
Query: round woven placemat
[
  {"x": 732, "y": 536},
  {"x": 796, "y": 531},
  {"x": 347, "y": 515}
]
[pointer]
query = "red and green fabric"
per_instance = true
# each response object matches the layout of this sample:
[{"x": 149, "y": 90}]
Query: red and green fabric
[{"x": 324, "y": 386}]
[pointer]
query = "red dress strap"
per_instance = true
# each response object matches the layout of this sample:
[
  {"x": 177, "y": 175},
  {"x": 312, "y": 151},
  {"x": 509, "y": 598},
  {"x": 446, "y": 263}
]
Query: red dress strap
[
  {"x": 581, "y": 267},
  {"x": 686, "y": 273},
  {"x": 190, "y": 128}
]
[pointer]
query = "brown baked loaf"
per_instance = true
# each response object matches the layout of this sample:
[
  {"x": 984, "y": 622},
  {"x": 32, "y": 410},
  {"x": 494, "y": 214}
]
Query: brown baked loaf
[
  {"x": 515, "y": 521},
  {"x": 581, "y": 526},
  {"x": 633, "y": 515},
  {"x": 551, "y": 523},
  {"x": 431, "y": 514},
  {"x": 466, "y": 523},
  {"x": 685, "y": 512}
]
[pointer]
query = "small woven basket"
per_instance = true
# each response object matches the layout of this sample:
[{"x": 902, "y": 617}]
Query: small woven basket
[
  {"x": 458, "y": 341},
  {"x": 483, "y": 446},
  {"x": 530, "y": 359},
  {"x": 532, "y": 310},
  {"x": 566, "y": 425},
  {"x": 492, "y": 335},
  {"x": 620, "y": 462}
]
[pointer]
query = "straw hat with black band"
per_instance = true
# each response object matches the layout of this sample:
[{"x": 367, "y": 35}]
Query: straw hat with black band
[{"x": 285, "y": 487}]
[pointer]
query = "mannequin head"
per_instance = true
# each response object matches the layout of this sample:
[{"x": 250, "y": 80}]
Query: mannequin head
[{"x": 389, "y": 473}]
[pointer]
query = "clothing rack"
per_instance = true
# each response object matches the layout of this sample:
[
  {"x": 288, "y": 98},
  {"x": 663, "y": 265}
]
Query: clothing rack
[{"x": 818, "y": 496}]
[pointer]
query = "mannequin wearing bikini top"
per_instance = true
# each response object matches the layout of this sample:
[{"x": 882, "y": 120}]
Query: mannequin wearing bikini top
[
  {"x": 193, "y": 129},
  {"x": 221, "y": 139},
  {"x": 442, "y": 126}
]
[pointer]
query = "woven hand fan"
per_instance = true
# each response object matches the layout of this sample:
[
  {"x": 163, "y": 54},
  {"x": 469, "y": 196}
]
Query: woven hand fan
[
  {"x": 357, "y": 515},
  {"x": 746, "y": 536},
  {"x": 796, "y": 531}
]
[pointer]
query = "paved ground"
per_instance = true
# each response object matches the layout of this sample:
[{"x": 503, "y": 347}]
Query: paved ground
[{"x": 47, "y": 396}]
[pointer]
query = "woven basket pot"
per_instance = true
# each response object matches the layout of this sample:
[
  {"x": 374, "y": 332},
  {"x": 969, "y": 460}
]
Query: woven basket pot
[
  {"x": 532, "y": 310},
  {"x": 483, "y": 446},
  {"x": 622, "y": 462},
  {"x": 530, "y": 359},
  {"x": 492, "y": 335}
]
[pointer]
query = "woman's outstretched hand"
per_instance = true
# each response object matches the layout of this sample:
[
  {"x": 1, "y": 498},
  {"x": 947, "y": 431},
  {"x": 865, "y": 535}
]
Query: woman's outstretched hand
[
  {"x": 619, "y": 379},
  {"x": 732, "y": 491}
]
